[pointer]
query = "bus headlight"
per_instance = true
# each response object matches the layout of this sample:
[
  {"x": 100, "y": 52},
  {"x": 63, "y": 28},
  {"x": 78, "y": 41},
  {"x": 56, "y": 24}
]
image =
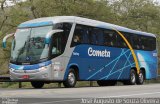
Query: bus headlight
[
  {"x": 43, "y": 68},
  {"x": 11, "y": 69}
]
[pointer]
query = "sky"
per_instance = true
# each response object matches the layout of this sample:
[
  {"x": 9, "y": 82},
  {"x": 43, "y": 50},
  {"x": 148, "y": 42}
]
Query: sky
[
  {"x": 11, "y": 3},
  {"x": 157, "y": 1}
]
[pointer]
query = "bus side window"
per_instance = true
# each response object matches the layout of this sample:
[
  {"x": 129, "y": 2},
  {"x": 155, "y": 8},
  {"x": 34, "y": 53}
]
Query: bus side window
[
  {"x": 85, "y": 35},
  {"x": 152, "y": 44},
  {"x": 56, "y": 47},
  {"x": 66, "y": 30},
  {"x": 100, "y": 37},
  {"x": 121, "y": 42},
  {"x": 128, "y": 37},
  {"x": 136, "y": 42},
  {"x": 66, "y": 27},
  {"x": 144, "y": 43},
  {"x": 81, "y": 35},
  {"x": 77, "y": 36},
  {"x": 96, "y": 36},
  {"x": 93, "y": 36},
  {"x": 109, "y": 38},
  {"x": 148, "y": 43}
]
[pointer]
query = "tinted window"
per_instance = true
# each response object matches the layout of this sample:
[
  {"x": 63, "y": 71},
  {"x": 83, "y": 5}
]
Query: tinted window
[
  {"x": 152, "y": 43},
  {"x": 136, "y": 42},
  {"x": 121, "y": 42},
  {"x": 56, "y": 47},
  {"x": 143, "y": 42},
  {"x": 110, "y": 38},
  {"x": 80, "y": 35},
  {"x": 89, "y": 35},
  {"x": 59, "y": 40},
  {"x": 96, "y": 36},
  {"x": 93, "y": 36},
  {"x": 149, "y": 43}
]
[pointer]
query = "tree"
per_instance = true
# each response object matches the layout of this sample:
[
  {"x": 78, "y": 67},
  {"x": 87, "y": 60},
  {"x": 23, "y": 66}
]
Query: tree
[{"x": 138, "y": 14}]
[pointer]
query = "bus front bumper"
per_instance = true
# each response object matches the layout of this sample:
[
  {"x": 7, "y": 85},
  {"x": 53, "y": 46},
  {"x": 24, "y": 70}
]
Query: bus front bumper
[{"x": 31, "y": 75}]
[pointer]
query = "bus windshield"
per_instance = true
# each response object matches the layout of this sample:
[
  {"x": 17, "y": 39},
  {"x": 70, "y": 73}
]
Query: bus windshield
[{"x": 29, "y": 45}]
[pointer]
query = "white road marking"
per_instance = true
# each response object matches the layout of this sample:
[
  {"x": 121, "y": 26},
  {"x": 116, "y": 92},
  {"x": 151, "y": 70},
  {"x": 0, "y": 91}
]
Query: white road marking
[
  {"x": 132, "y": 95},
  {"x": 51, "y": 102}
]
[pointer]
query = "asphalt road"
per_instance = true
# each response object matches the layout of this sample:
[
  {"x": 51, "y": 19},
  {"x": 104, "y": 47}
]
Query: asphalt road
[{"x": 74, "y": 95}]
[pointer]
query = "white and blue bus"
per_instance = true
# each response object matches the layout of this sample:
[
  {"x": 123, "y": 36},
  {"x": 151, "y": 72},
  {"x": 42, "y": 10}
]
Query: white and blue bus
[{"x": 69, "y": 49}]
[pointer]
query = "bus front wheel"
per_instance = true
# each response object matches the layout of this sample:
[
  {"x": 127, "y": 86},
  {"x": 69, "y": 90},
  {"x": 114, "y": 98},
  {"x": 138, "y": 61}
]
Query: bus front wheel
[
  {"x": 71, "y": 79},
  {"x": 37, "y": 84}
]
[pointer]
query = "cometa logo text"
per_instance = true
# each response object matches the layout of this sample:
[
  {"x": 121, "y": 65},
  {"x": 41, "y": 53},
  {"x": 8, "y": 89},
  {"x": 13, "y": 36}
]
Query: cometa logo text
[{"x": 98, "y": 53}]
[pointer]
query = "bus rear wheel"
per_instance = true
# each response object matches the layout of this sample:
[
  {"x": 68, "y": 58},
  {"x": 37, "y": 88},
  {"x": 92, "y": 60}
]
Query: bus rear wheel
[
  {"x": 71, "y": 79},
  {"x": 106, "y": 82},
  {"x": 132, "y": 79},
  {"x": 37, "y": 84},
  {"x": 140, "y": 78}
]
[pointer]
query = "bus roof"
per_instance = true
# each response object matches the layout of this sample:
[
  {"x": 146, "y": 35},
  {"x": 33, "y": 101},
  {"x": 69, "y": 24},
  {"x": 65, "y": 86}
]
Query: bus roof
[{"x": 58, "y": 19}]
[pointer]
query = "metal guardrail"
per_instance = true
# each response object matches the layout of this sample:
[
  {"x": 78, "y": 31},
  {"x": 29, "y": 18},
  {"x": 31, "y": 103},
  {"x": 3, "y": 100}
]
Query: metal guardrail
[{"x": 7, "y": 79}]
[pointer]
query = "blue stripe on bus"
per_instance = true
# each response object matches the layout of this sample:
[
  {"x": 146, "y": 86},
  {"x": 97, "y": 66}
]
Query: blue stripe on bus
[
  {"x": 35, "y": 24},
  {"x": 29, "y": 67}
]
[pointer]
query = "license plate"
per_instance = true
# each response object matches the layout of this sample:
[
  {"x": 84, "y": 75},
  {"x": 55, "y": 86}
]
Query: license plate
[{"x": 25, "y": 76}]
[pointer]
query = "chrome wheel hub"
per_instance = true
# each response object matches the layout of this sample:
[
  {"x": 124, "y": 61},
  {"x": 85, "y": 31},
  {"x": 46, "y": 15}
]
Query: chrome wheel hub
[
  {"x": 71, "y": 78},
  {"x": 133, "y": 78},
  {"x": 141, "y": 77}
]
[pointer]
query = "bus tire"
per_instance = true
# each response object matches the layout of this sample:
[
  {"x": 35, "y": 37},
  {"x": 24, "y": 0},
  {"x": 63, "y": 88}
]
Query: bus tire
[
  {"x": 71, "y": 79},
  {"x": 106, "y": 82},
  {"x": 132, "y": 79},
  {"x": 140, "y": 78},
  {"x": 37, "y": 84}
]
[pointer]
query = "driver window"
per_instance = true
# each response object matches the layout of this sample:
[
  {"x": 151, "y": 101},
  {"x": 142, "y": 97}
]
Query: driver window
[
  {"x": 59, "y": 40},
  {"x": 56, "y": 47}
]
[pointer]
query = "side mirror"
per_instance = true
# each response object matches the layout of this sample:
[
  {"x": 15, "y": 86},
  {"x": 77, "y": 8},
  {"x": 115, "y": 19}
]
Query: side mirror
[
  {"x": 49, "y": 35},
  {"x": 4, "y": 44}
]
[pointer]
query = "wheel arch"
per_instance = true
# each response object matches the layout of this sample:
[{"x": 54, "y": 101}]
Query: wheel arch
[
  {"x": 142, "y": 68},
  {"x": 75, "y": 68},
  {"x": 134, "y": 68}
]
